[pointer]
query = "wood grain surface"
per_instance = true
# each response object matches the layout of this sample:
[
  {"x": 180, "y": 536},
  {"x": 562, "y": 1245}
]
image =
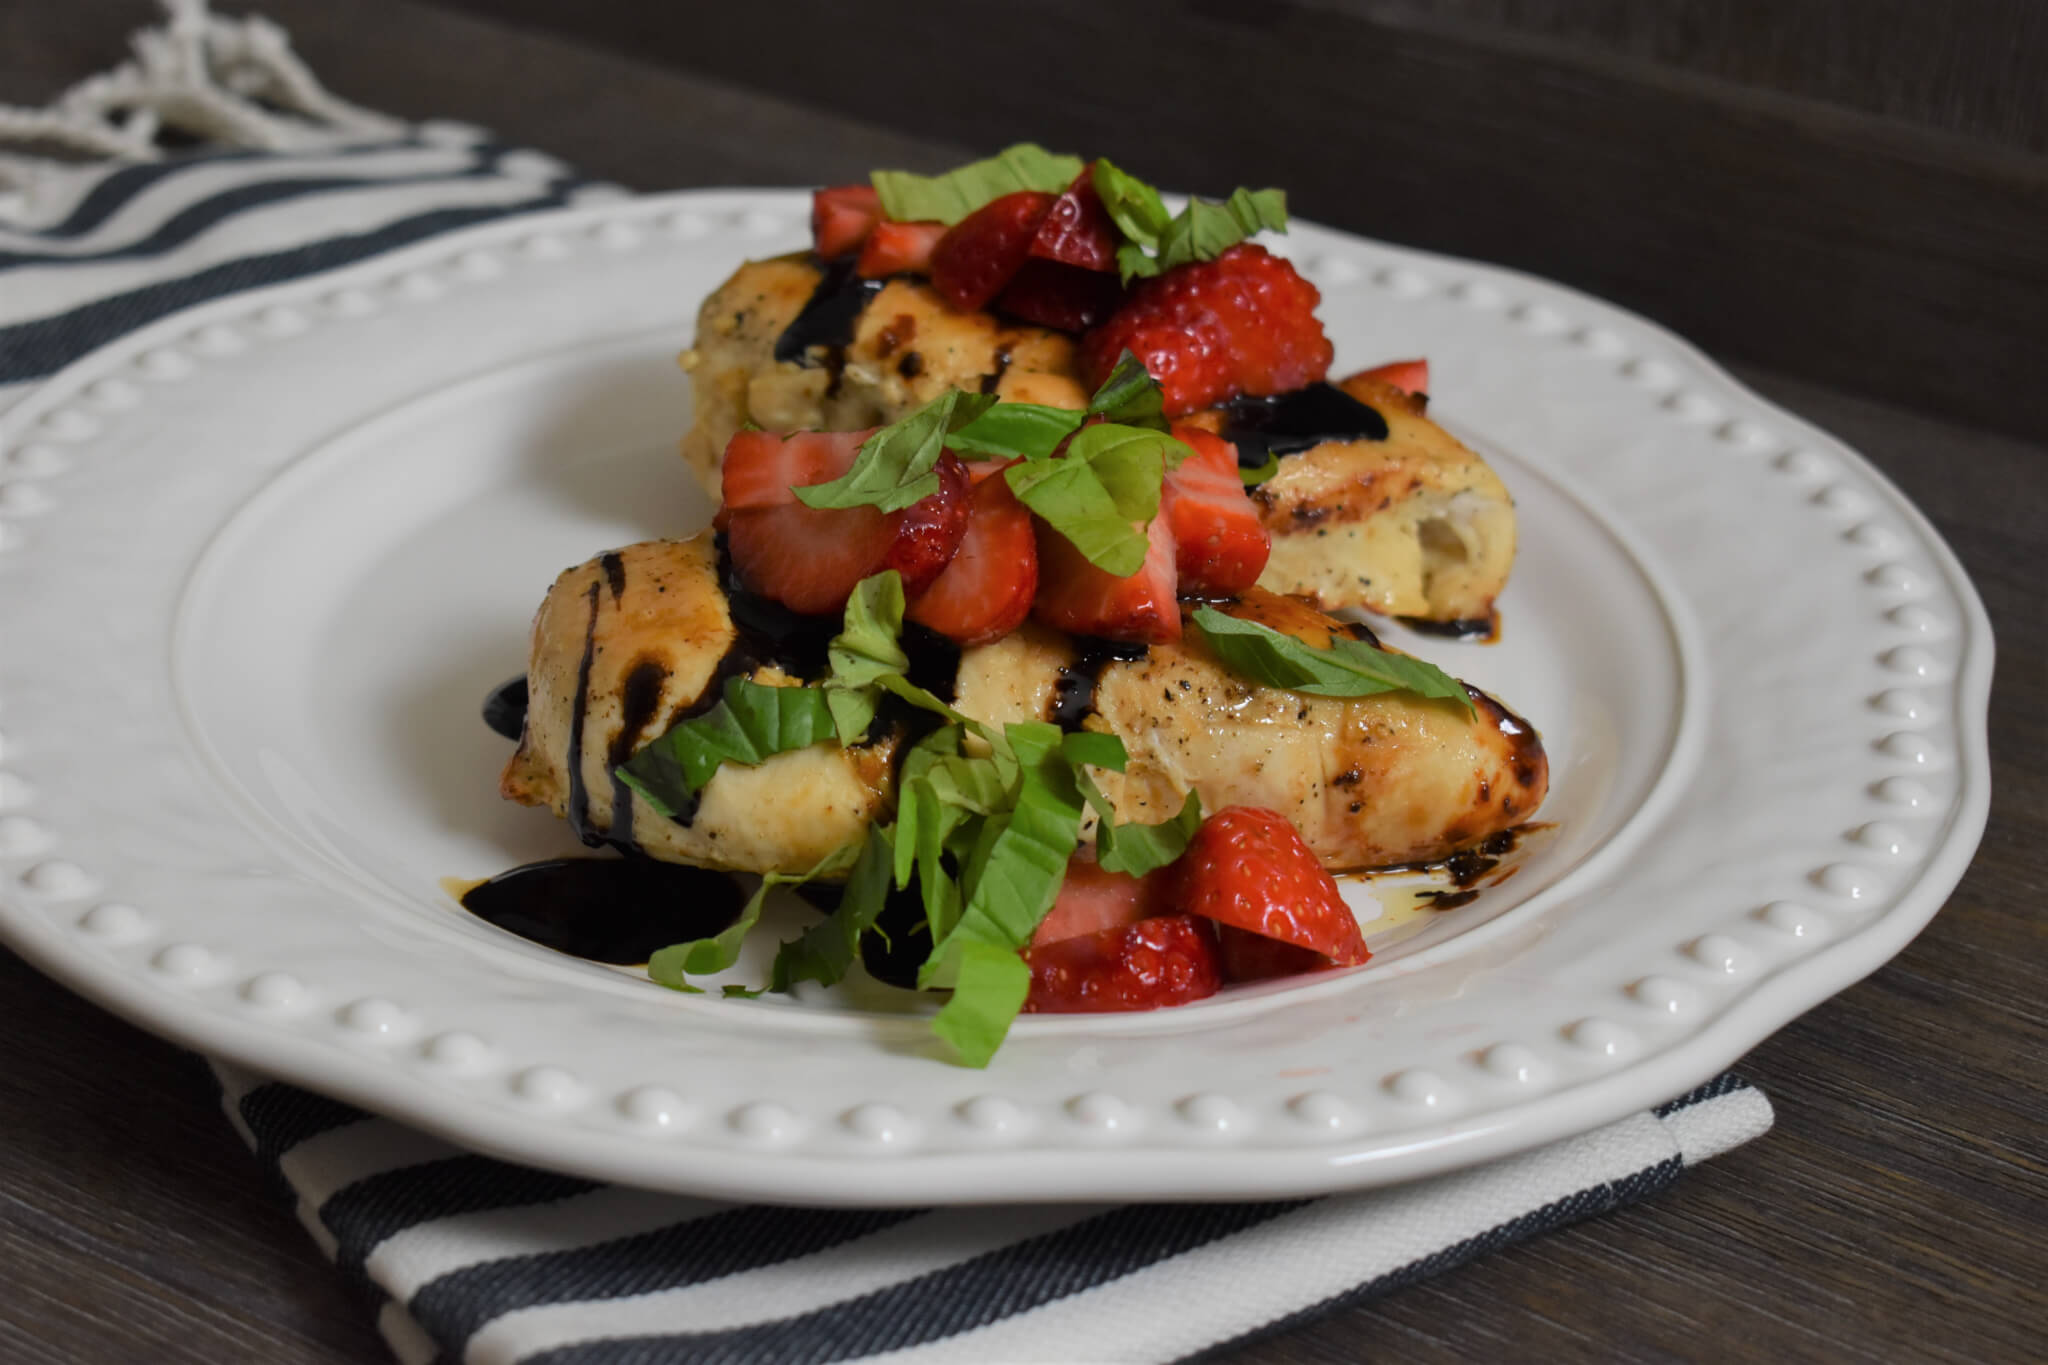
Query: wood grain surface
[{"x": 1896, "y": 1213}]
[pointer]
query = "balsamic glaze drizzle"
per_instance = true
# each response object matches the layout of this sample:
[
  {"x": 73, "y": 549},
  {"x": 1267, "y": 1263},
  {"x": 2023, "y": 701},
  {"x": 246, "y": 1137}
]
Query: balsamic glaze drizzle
[
  {"x": 828, "y": 318},
  {"x": 1482, "y": 628},
  {"x": 1073, "y": 696},
  {"x": 1468, "y": 865},
  {"x": 620, "y": 910},
  {"x": 579, "y": 794},
  {"x": 505, "y": 708},
  {"x": 1288, "y": 423},
  {"x": 637, "y": 701}
]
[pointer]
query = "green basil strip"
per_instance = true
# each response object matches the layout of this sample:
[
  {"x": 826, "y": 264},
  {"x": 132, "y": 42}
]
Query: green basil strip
[
  {"x": 895, "y": 466},
  {"x": 1348, "y": 668},
  {"x": 751, "y": 723},
  {"x": 910, "y": 198}
]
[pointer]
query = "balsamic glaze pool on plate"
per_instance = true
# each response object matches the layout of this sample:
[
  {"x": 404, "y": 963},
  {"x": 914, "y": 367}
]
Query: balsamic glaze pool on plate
[{"x": 617, "y": 910}]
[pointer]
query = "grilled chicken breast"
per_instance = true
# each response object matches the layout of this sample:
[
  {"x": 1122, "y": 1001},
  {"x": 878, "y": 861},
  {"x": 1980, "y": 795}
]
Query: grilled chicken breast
[
  {"x": 1414, "y": 525},
  {"x": 907, "y": 347},
  {"x": 623, "y": 647},
  {"x": 633, "y": 641}
]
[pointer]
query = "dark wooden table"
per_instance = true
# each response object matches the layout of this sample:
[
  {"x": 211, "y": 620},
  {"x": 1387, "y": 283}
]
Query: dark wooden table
[{"x": 1898, "y": 1212}]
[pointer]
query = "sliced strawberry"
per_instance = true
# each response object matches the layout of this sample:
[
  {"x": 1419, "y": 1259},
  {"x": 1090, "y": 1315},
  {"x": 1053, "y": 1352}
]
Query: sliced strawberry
[
  {"x": 1220, "y": 544},
  {"x": 929, "y": 532},
  {"x": 1248, "y": 867},
  {"x": 1165, "y": 960},
  {"x": 1077, "y": 229},
  {"x": 1062, "y": 296},
  {"x": 1074, "y": 595},
  {"x": 1409, "y": 376},
  {"x": 1211, "y": 330},
  {"x": 897, "y": 248},
  {"x": 979, "y": 254},
  {"x": 1254, "y": 957},
  {"x": 842, "y": 216},
  {"x": 1092, "y": 900},
  {"x": 808, "y": 558},
  {"x": 985, "y": 591},
  {"x": 762, "y": 467}
]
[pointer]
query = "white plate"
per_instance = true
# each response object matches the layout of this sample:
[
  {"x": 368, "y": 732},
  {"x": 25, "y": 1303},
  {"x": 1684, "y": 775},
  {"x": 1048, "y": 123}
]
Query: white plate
[{"x": 260, "y": 563}]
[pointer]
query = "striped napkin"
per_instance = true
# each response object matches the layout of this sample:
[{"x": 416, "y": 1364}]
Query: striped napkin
[
  {"x": 479, "y": 1261},
  {"x": 482, "y": 1262}
]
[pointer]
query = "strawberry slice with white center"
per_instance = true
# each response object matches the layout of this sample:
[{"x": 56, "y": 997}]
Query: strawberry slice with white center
[
  {"x": 898, "y": 248},
  {"x": 985, "y": 591},
  {"x": 842, "y": 216},
  {"x": 1092, "y": 900},
  {"x": 1074, "y": 595},
  {"x": 1220, "y": 545},
  {"x": 810, "y": 558},
  {"x": 763, "y": 468}
]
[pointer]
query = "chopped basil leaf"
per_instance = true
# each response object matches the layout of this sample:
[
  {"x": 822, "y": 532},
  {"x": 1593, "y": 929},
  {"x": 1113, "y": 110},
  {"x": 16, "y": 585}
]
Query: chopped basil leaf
[
  {"x": 864, "y": 650},
  {"x": 1020, "y": 856},
  {"x": 1071, "y": 498},
  {"x": 1136, "y": 849},
  {"x": 1102, "y": 492},
  {"x": 1134, "y": 262},
  {"x": 1259, "y": 474},
  {"x": 989, "y": 989},
  {"x": 1129, "y": 848},
  {"x": 948, "y": 198},
  {"x": 751, "y": 723},
  {"x": 895, "y": 466},
  {"x": 671, "y": 966},
  {"x": 1130, "y": 396},
  {"x": 1008, "y": 430},
  {"x": 940, "y": 791},
  {"x": 1202, "y": 231},
  {"x": 826, "y": 951},
  {"x": 1348, "y": 668},
  {"x": 1133, "y": 205},
  {"x": 1090, "y": 746}
]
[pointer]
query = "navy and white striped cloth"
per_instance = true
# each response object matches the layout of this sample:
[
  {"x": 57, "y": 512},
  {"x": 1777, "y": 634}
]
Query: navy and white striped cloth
[
  {"x": 477, "y": 1261},
  {"x": 474, "y": 1260},
  {"x": 113, "y": 251}
]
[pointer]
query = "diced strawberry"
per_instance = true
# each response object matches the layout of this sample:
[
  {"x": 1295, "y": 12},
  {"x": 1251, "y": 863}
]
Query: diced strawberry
[
  {"x": 1074, "y": 595},
  {"x": 1409, "y": 376},
  {"x": 1092, "y": 900},
  {"x": 1249, "y": 867},
  {"x": 762, "y": 467},
  {"x": 1254, "y": 957},
  {"x": 985, "y": 592},
  {"x": 929, "y": 532},
  {"x": 981, "y": 252},
  {"x": 1061, "y": 296},
  {"x": 1220, "y": 544},
  {"x": 842, "y": 216},
  {"x": 1208, "y": 331},
  {"x": 1165, "y": 960},
  {"x": 1077, "y": 229},
  {"x": 898, "y": 248},
  {"x": 809, "y": 558}
]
